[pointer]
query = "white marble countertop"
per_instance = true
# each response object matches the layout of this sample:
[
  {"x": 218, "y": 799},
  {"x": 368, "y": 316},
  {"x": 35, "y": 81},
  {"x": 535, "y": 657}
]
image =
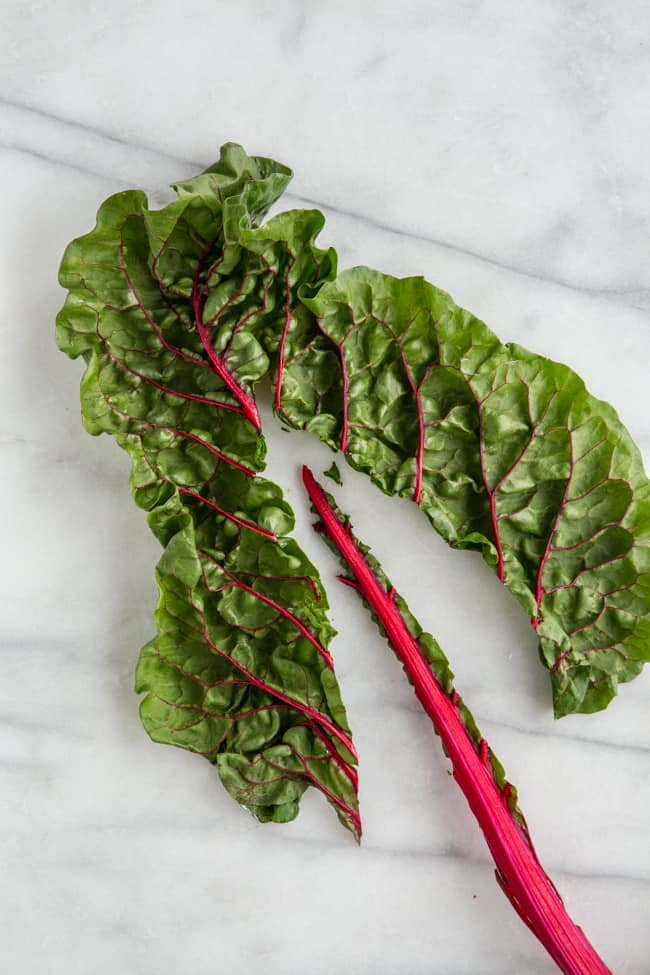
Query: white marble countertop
[{"x": 501, "y": 150}]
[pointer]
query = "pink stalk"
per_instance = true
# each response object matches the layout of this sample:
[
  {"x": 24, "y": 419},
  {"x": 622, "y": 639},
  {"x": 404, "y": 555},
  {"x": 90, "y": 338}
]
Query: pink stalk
[
  {"x": 518, "y": 871},
  {"x": 245, "y": 400}
]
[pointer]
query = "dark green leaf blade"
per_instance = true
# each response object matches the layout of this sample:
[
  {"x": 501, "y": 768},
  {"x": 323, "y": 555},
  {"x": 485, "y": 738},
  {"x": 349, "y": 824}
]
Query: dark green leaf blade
[
  {"x": 239, "y": 669},
  {"x": 504, "y": 450}
]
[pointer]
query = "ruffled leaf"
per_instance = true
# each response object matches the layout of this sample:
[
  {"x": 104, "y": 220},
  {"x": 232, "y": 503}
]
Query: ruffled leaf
[
  {"x": 238, "y": 670},
  {"x": 505, "y": 451}
]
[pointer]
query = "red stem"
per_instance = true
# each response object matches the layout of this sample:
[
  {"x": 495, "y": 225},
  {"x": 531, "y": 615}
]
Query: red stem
[
  {"x": 539, "y": 585},
  {"x": 345, "y": 425},
  {"x": 518, "y": 872},
  {"x": 283, "y": 341},
  {"x": 243, "y": 522},
  {"x": 345, "y": 767},
  {"x": 497, "y": 537},
  {"x": 491, "y": 493},
  {"x": 281, "y": 610},
  {"x": 292, "y": 702},
  {"x": 248, "y": 405},
  {"x": 419, "y": 460},
  {"x": 308, "y": 579}
]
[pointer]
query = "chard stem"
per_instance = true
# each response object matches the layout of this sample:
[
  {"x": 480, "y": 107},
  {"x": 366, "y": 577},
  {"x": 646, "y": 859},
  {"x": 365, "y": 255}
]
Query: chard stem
[{"x": 518, "y": 871}]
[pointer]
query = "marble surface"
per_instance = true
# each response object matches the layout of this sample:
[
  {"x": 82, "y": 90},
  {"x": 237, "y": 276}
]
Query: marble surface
[{"x": 501, "y": 149}]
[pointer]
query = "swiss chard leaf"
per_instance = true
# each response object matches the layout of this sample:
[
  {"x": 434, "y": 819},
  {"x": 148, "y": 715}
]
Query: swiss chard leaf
[
  {"x": 505, "y": 451},
  {"x": 179, "y": 313},
  {"x": 238, "y": 670}
]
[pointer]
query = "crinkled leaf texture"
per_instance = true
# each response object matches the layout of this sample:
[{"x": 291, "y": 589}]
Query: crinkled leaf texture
[
  {"x": 238, "y": 670},
  {"x": 505, "y": 451},
  {"x": 179, "y": 313}
]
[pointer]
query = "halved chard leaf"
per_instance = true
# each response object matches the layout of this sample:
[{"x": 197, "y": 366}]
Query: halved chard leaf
[
  {"x": 479, "y": 774},
  {"x": 239, "y": 669},
  {"x": 505, "y": 451}
]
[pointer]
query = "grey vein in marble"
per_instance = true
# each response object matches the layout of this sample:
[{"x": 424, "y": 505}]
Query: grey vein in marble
[{"x": 149, "y": 158}]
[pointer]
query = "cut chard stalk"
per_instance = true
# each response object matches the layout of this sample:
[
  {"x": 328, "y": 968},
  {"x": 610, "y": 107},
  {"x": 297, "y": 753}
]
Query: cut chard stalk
[
  {"x": 246, "y": 401},
  {"x": 491, "y": 798}
]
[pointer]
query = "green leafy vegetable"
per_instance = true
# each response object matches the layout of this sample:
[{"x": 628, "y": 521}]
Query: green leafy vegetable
[
  {"x": 334, "y": 473},
  {"x": 239, "y": 669},
  {"x": 505, "y": 451},
  {"x": 479, "y": 774},
  {"x": 179, "y": 313}
]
